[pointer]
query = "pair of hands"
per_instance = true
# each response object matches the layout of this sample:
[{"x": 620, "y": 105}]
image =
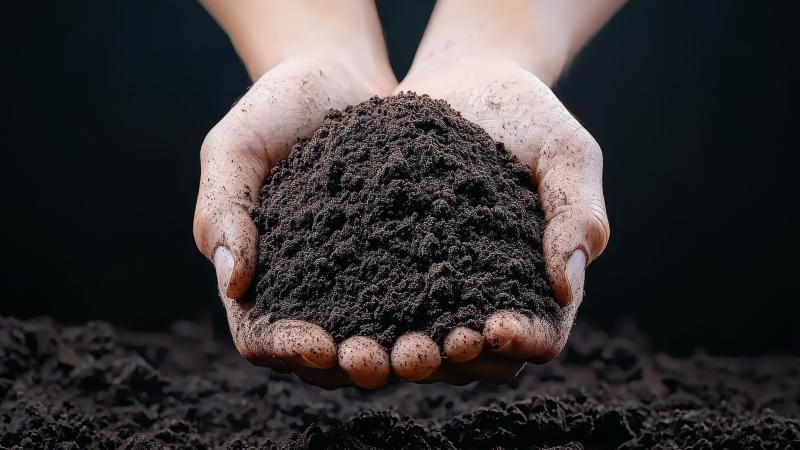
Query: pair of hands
[{"x": 510, "y": 103}]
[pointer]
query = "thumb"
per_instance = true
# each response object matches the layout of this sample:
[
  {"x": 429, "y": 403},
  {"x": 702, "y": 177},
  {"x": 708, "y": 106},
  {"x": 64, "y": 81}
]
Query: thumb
[
  {"x": 223, "y": 230},
  {"x": 569, "y": 172}
]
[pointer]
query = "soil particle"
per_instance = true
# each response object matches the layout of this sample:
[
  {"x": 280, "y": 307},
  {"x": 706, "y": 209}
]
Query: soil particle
[
  {"x": 93, "y": 387},
  {"x": 399, "y": 215}
]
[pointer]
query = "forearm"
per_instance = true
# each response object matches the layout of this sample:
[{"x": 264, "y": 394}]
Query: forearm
[
  {"x": 541, "y": 35},
  {"x": 267, "y": 32}
]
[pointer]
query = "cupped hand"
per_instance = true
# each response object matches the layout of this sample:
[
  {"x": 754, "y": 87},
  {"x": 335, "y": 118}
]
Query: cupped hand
[
  {"x": 287, "y": 102},
  {"x": 521, "y": 111}
]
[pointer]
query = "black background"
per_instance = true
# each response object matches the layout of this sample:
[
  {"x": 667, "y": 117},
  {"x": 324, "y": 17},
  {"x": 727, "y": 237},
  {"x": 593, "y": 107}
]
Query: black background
[{"x": 106, "y": 104}]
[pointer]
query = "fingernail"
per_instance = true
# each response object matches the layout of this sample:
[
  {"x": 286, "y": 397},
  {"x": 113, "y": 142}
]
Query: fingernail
[
  {"x": 223, "y": 263},
  {"x": 576, "y": 271}
]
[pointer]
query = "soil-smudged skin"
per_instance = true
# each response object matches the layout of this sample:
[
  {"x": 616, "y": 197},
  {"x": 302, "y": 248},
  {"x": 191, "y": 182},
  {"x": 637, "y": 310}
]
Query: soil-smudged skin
[
  {"x": 399, "y": 215},
  {"x": 94, "y": 387}
]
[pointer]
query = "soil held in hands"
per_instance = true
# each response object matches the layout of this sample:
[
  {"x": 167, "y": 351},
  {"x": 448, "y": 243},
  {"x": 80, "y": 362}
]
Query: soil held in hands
[{"x": 400, "y": 215}]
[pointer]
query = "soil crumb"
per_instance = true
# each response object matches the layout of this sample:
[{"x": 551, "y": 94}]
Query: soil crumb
[
  {"x": 399, "y": 215},
  {"x": 94, "y": 387}
]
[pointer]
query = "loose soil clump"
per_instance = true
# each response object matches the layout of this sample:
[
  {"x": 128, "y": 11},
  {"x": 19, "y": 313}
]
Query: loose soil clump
[
  {"x": 95, "y": 387},
  {"x": 399, "y": 215}
]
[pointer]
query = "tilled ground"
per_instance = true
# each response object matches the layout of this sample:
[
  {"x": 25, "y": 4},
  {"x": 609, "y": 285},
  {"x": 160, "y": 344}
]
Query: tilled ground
[{"x": 96, "y": 387}]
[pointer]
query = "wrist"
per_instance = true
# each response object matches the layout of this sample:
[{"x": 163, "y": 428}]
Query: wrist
[
  {"x": 266, "y": 33},
  {"x": 547, "y": 64},
  {"x": 260, "y": 51},
  {"x": 533, "y": 35}
]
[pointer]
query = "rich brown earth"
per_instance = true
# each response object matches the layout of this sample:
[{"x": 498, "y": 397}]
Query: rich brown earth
[
  {"x": 93, "y": 387},
  {"x": 399, "y": 215}
]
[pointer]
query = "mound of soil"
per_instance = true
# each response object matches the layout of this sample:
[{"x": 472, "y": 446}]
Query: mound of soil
[
  {"x": 399, "y": 215},
  {"x": 93, "y": 387}
]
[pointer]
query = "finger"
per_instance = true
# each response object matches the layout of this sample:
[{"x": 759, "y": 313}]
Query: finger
[
  {"x": 284, "y": 345},
  {"x": 414, "y": 357},
  {"x": 514, "y": 335},
  {"x": 250, "y": 336},
  {"x": 569, "y": 173},
  {"x": 462, "y": 344},
  {"x": 300, "y": 343},
  {"x": 365, "y": 362}
]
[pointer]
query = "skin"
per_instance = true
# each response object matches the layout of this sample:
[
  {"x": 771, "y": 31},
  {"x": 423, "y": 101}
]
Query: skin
[{"x": 494, "y": 63}]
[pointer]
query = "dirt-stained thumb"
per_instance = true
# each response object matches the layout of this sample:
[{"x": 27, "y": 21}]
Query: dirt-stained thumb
[
  {"x": 572, "y": 239},
  {"x": 228, "y": 239}
]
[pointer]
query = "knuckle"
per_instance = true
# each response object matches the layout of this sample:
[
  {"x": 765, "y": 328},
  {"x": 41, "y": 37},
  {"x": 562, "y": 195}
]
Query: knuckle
[
  {"x": 586, "y": 223},
  {"x": 570, "y": 148},
  {"x": 580, "y": 142},
  {"x": 569, "y": 137},
  {"x": 211, "y": 141},
  {"x": 233, "y": 137}
]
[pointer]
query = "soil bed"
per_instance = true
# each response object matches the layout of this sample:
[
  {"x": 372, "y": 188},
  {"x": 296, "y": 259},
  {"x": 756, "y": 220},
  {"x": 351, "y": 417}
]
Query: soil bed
[
  {"x": 93, "y": 387},
  {"x": 399, "y": 215}
]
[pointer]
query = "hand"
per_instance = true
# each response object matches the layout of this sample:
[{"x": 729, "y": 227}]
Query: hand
[
  {"x": 307, "y": 57},
  {"x": 521, "y": 111}
]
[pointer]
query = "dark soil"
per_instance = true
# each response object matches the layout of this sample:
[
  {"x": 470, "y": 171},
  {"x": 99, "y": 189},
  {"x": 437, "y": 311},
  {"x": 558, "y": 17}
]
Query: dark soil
[
  {"x": 94, "y": 387},
  {"x": 399, "y": 215}
]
